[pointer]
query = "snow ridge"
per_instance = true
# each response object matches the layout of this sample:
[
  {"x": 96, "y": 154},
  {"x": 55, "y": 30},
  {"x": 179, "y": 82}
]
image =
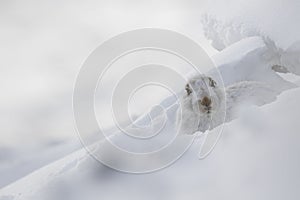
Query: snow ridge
[{"x": 224, "y": 34}]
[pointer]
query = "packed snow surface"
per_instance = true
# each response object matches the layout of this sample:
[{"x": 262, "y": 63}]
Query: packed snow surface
[{"x": 248, "y": 60}]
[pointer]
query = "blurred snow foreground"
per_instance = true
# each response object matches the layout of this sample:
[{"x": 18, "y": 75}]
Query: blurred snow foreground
[{"x": 249, "y": 66}]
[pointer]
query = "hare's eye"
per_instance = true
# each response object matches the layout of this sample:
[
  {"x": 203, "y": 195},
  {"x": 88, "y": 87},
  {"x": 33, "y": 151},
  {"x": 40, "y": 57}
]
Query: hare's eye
[
  {"x": 212, "y": 83},
  {"x": 188, "y": 89}
]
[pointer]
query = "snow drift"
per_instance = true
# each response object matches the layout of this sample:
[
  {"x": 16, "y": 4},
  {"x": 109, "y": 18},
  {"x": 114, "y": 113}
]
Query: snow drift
[{"x": 79, "y": 176}]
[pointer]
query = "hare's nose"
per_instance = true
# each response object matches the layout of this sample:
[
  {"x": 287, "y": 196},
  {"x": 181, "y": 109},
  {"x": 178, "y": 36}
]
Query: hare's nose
[{"x": 206, "y": 101}]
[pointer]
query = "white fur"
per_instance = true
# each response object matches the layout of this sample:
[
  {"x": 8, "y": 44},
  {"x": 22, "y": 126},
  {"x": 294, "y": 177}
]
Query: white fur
[{"x": 192, "y": 116}]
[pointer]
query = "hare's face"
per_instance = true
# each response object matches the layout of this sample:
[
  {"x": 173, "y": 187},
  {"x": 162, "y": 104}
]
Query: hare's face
[{"x": 203, "y": 91}]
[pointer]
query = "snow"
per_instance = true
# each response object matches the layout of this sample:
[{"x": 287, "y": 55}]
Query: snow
[
  {"x": 257, "y": 155},
  {"x": 249, "y": 64},
  {"x": 241, "y": 165},
  {"x": 223, "y": 34},
  {"x": 291, "y": 59}
]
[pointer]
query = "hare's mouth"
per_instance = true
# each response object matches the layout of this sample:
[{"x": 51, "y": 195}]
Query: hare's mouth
[{"x": 207, "y": 109}]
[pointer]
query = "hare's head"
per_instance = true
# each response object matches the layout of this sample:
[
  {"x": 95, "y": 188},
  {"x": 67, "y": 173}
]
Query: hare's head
[{"x": 203, "y": 91}]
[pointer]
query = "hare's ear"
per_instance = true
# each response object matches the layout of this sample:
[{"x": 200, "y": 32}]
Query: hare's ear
[
  {"x": 212, "y": 83},
  {"x": 188, "y": 89}
]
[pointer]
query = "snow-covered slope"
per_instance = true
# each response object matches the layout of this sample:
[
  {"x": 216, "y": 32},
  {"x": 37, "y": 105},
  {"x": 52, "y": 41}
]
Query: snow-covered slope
[{"x": 241, "y": 166}]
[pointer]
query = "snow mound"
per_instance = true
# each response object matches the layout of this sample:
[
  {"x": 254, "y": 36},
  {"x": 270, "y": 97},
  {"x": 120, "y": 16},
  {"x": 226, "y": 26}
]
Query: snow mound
[
  {"x": 225, "y": 34},
  {"x": 251, "y": 59},
  {"x": 78, "y": 176}
]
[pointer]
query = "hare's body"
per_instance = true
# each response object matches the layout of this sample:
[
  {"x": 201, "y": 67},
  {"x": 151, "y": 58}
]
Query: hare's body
[{"x": 204, "y": 105}]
